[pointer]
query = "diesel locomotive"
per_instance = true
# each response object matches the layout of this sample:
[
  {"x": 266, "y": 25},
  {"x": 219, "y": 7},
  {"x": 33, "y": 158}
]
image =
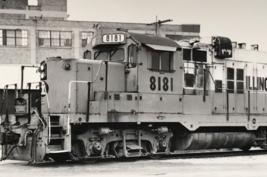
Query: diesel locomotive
[{"x": 134, "y": 95}]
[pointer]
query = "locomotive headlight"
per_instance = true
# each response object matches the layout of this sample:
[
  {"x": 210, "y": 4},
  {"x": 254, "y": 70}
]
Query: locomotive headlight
[
  {"x": 42, "y": 67},
  {"x": 43, "y": 76},
  {"x": 43, "y": 71}
]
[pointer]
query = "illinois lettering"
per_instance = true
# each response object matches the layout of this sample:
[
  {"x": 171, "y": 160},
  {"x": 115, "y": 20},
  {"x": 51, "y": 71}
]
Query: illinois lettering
[{"x": 256, "y": 83}]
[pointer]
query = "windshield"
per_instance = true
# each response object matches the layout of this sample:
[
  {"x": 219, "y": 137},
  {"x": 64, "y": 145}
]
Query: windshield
[{"x": 114, "y": 54}]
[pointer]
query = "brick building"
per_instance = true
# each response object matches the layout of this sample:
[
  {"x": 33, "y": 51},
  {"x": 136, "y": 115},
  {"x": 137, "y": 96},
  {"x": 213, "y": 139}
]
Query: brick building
[{"x": 32, "y": 30}]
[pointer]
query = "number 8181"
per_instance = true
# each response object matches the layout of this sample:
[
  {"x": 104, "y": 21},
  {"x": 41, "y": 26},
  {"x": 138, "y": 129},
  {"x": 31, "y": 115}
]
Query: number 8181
[{"x": 164, "y": 83}]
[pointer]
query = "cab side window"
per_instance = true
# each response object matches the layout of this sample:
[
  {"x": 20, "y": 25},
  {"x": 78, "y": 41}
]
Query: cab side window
[
  {"x": 162, "y": 61},
  {"x": 132, "y": 55}
]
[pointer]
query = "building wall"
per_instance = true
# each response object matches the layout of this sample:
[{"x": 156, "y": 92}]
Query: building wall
[
  {"x": 13, "y": 4},
  {"x": 45, "y": 9},
  {"x": 53, "y": 5},
  {"x": 33, "y": 54}
]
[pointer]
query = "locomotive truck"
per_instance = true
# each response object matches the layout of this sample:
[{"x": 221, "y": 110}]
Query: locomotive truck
[{"x": 134, "y": 95}]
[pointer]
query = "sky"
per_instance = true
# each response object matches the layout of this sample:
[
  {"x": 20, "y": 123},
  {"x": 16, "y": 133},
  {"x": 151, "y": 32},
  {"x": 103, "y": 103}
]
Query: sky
[{"x": 243, "y": 21}]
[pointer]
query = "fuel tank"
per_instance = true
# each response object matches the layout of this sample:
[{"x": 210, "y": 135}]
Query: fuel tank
[{"x": 196, "y": 141}]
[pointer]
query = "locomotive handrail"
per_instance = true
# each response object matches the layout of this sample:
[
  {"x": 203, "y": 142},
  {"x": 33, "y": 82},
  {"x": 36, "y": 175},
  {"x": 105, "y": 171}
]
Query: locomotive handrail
[
  {"x": 22, "y": 75},
  {"x": 29, "y": 99},
  {"x": 48, "y": 110}
]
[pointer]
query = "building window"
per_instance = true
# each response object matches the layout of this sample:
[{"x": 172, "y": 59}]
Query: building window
[
  {"x": 86, "y": 36},
  {"x": 161, "y": 60},
  {"x": 13, "y": 37},
  {"x": 55, "y": 38}
]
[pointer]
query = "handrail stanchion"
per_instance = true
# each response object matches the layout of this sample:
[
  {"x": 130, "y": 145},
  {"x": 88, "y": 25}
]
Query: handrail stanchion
[
  {"x": 7, "y": 121},
  {"x": 248, "y": 105},
  {"x": 40, "y": 99},
  {"x": 88, "y": 102},
  {"x": 29, "y": 103},
  {"x": 16, "y": 91},
  {"x": 227, "y": 104},
  {"x": 204, "y": 86},
  {"x": 22, "y": 80}
]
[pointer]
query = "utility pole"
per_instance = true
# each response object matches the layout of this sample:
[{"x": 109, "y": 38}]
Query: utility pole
[{"x": 158, "y": 23}]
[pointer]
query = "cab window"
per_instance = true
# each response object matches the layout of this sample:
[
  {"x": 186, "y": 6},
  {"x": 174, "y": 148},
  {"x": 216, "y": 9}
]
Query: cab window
[
  {"x": 132, "y": 55},
  {"x": 194, "y": 78},
  {"x": 161, "y": 61},
  {"x": 87, "y": 54},
  {"x": 113, "y": 54}
]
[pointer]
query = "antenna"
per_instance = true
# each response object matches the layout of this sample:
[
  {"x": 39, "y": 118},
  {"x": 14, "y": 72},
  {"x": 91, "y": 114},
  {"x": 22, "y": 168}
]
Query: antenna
[{"x": 158, "y": 23}]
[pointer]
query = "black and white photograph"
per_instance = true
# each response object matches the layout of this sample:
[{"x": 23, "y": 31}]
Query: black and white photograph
[{"x": 138, "y": 88}]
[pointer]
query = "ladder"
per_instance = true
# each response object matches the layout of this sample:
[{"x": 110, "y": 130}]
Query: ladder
[{"x": 57, "y": 135}]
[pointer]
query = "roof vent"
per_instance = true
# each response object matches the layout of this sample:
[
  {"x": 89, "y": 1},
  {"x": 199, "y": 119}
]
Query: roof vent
[
  {"x": 242, "y": 45},
  {"x": 255, "y": 47},
  {"x": 234, "y": 45}
]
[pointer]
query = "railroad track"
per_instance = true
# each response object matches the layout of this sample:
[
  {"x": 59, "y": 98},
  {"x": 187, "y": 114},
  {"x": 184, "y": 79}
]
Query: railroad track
[
  {"x": 193, "y": 155},
  {"x": 205, "y": 154},
  {"x": 187, "y": 155}
]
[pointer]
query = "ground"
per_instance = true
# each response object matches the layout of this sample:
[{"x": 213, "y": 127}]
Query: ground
[{"x": 245, "y": 166}]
